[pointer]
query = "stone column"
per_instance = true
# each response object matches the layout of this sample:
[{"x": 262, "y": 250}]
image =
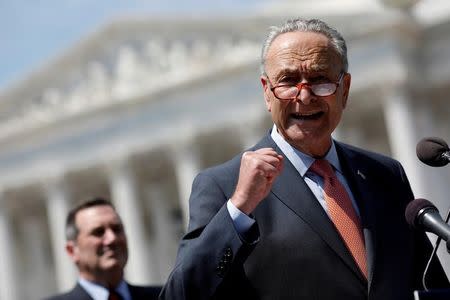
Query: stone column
[
  {"x": 35, "y": 244},
  {"x": 8, "y": 277},
  {"x": 402, "y": 135},
  {"x": 58, "y": 206},
  {"x": 125, "y": 198},
  {"x": 435, "y": 179},
  {"x": 187, "y": 165},
  {"x": 165, "y": 237}
]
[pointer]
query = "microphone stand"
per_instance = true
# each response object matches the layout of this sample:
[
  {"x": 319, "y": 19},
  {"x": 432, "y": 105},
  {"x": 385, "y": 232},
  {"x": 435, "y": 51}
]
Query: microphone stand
[
  {"x": 448, "y": 241},
  {"x": 433, "y": 254},
  {"x": 437, "y": 294}
]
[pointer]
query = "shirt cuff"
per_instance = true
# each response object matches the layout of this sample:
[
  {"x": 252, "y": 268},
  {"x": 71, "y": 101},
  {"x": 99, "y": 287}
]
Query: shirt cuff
[{"x": 241, "y": 221}]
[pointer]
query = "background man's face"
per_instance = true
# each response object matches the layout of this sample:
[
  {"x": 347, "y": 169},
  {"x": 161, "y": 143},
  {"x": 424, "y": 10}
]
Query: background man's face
[{"x": 101, "y": 245}]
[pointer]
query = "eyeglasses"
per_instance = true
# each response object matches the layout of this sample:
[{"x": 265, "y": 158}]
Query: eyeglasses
[{"x": 291, "y": 92}]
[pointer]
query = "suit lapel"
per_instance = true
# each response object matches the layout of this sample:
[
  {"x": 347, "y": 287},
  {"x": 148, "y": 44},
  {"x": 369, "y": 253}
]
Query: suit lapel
[
  {"x": 79, "y": 293},
  {"x": 291, "y": 189}
]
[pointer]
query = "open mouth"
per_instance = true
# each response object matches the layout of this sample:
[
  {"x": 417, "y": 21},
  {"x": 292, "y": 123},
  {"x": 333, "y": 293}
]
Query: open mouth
[{"x": 307, "y": 116}]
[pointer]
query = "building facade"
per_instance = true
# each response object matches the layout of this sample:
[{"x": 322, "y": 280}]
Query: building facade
[{"x": 136, "y": 109}]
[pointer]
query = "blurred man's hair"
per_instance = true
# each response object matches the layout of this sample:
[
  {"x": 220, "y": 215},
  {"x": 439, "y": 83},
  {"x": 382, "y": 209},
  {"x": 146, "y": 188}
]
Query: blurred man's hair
[{"x": 71, "y": 227}]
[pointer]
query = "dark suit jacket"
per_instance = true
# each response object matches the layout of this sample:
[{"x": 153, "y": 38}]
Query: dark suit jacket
[
  {"x": 137, "y": 293},
  {"x": 295, "y": 252}
]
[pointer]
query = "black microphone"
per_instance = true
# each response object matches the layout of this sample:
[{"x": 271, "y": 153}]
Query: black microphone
[
  {"x": 433, "y": 151},
  {"x": 422, "y": 214}
]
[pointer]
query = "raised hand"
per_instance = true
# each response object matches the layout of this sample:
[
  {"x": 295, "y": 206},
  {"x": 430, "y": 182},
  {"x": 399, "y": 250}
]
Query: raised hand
[{"x": 256, "y": 175}]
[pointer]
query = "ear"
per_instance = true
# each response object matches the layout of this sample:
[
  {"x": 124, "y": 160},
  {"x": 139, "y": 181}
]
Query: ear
[
  {"x": 266, "y": 88},
  {"x": 71, "y": 249},
  {"x": 346, "y": 86}
]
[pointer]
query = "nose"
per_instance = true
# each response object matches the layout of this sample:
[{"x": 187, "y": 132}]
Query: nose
[
  {"x": 110, "y": 236},
  {"x": 305, "y": 95}
]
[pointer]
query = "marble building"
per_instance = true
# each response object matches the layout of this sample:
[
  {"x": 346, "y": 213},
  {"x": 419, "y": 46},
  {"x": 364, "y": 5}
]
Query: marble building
[{"x": 137, "y": 108}]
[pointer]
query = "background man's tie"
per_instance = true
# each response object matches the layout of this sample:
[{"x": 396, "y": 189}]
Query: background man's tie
[
  {"x": 113, "y": 295},
  {"x": 342, "y": 212}
]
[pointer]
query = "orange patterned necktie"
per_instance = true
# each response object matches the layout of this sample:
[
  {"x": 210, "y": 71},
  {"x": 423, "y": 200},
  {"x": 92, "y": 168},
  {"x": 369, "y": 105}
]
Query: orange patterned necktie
[
  {"x": 113, "y": 295},
  {"x": 342, "y": 212}
]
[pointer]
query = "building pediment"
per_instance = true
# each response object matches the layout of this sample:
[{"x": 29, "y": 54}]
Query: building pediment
[{"x": 125, "y": 61}]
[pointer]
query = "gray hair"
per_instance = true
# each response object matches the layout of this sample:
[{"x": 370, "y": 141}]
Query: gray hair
[{"x": 306, "y": 25}]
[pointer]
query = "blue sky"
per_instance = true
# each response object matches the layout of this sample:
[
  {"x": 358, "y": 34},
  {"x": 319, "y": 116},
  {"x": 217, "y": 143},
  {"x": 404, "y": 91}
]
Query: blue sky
[{"x": 31, "y": 31}]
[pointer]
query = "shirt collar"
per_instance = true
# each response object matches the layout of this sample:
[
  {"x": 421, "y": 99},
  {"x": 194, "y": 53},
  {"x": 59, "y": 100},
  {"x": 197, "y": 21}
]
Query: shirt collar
[
  {"x": 300, "y": 160},
  {"x": 99, "y": 292}
]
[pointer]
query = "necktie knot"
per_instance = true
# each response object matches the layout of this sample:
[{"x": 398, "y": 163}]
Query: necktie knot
[{"x": 323, "y": 168}]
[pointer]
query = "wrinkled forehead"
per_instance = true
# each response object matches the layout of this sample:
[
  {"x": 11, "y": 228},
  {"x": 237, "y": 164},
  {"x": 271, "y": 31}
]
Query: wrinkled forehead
[{"x": 308, "y": 51}]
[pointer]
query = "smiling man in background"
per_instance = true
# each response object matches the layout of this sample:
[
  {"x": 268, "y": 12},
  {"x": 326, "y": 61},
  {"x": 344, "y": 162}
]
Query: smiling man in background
[{"x": 97, "y": 244}]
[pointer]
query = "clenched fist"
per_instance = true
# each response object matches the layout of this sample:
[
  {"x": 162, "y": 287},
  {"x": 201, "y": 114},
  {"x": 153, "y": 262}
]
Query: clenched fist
[{"x": 257, "y": 172}]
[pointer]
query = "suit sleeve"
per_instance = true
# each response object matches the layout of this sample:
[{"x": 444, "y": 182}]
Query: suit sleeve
[{"x": 211, "y": 254}]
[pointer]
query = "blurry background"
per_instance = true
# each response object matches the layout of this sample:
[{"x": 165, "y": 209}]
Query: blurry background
[{"x": 130, "y": 99}]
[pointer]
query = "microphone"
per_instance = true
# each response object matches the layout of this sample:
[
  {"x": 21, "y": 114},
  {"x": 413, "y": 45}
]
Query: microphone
[
  {"x": 422, "y": 214},
  {"x": 433, "y": 151}
]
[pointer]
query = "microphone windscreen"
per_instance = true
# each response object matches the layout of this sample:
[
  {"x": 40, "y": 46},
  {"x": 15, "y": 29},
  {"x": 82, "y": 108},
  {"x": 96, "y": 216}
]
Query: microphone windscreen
[
  {"x": 413, "y": 209},
  {"x": 429, "y": 150}
]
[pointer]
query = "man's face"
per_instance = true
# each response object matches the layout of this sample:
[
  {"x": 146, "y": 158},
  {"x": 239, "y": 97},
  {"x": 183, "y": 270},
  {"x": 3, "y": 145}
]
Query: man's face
[
  {"x": 100, "y": 250},
  {"x": 306, "y": 123}
]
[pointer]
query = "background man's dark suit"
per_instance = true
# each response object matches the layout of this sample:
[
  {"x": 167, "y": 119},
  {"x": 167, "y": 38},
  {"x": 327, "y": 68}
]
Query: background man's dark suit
[
  {"x": 137, "y": 293},
  {"x": 295, "y": 251}
]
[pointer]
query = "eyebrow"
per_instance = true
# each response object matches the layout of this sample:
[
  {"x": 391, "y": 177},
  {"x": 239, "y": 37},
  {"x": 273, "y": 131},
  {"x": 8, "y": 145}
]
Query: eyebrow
[
  {"x": 286, "y": 71},
  {"x": 312, "y": 73}
]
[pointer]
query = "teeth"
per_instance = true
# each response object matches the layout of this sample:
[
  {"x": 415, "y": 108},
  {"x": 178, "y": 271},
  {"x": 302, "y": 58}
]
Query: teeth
[{"x": 305, "y": 114}]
